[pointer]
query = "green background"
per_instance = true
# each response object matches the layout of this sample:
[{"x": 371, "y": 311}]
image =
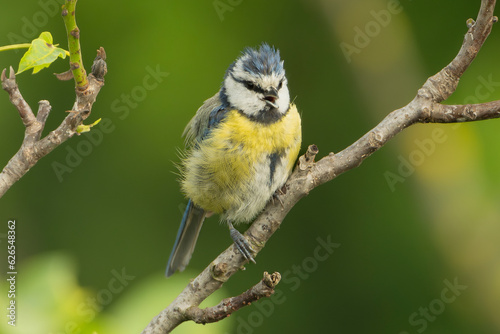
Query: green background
[{"x": 119, "y": 208}]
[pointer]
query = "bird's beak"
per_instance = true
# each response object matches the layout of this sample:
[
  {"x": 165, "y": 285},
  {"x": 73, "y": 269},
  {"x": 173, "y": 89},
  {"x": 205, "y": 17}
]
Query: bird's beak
[{"x": 270, "y": 97}]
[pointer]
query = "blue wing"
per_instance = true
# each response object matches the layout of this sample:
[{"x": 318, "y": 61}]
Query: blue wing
[
  {"x": 210, "y": 114},
  {"x": 215, "y": 117}
]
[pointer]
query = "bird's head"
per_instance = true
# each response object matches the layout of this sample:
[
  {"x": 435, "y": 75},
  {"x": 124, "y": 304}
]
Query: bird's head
[{"x": 256, "y": 85}]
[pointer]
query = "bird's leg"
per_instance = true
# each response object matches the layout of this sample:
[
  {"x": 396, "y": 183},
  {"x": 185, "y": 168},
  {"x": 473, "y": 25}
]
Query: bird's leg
[{"x": 241, "y": 243}]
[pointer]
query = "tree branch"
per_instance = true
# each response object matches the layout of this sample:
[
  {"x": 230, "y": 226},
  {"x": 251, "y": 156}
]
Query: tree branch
[
  {"x": 442, "y": 113},
  {"x": 225, "y": 308},
  {"x": 41, "y": 116},
  {"x": 16, "y": 98},
  {"x": 424, "y": 108},
  {"x": 33, "y": 148}
]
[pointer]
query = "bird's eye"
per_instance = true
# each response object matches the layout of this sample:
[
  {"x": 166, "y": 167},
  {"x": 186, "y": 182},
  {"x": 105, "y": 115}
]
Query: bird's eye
[
  {"x": 249, "y": 85},
  {"x": 280, "y": 85}
]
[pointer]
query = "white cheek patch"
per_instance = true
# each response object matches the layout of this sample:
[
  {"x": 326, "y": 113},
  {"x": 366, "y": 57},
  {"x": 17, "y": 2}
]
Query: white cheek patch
[
  {"x": 283, "y": 99},
  {"x": 250, "y": 101},
  {"x": 241, "y": 98}
]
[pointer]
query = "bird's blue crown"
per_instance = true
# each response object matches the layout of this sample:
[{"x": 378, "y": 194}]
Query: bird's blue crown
[{"x": 263, "y": 61}]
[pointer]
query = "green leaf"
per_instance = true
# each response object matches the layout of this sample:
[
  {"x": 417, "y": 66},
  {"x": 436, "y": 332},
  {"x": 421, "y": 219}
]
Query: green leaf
[
  {"x": 86, "y": 128},
  {"x": 46, "y": 36},
  {"x": 41, "y": 54}
]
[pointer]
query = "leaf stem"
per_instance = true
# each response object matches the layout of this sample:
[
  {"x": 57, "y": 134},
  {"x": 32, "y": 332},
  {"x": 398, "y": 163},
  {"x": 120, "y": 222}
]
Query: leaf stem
[
  {"x": 75, "y": 55},
  {"x": 15, "y": 46}
]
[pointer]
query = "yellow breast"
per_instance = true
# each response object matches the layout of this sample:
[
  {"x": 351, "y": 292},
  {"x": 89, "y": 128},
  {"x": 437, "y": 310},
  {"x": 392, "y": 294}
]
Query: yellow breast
[
  {"x": 219, "y": 172},
  {"x": 258, "y": 136}
]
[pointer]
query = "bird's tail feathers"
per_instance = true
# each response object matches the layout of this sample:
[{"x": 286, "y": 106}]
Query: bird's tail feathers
[{"x": 186, "y": 238}]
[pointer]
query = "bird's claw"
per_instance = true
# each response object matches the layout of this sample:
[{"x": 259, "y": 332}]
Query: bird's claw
[{"x": 241, "y": 243}]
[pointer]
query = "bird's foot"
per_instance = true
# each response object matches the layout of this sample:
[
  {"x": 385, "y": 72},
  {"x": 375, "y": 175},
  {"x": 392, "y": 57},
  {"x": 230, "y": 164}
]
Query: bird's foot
[{"x": 241, "y": 243}]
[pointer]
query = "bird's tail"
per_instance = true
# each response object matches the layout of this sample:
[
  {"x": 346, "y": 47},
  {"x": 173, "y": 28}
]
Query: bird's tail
[{"x": 186, "y": 238}]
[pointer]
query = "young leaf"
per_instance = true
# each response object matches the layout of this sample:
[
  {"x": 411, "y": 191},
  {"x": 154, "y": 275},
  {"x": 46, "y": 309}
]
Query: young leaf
[
  {"x": 86, "y": 128},
  {"x": 46, "y": 36},
  {"x": 41, "y": 54}
]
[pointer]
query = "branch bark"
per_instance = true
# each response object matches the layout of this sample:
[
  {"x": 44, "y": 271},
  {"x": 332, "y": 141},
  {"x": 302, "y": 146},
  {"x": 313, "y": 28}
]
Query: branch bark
[
  {"x": 225, "y": 308},
  {"x": 86, "y": 88},
  {"x": 426, "y": 107}
]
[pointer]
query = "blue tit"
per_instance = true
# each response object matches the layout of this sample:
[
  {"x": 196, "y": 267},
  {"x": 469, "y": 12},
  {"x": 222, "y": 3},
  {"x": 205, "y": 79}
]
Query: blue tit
[{"x": 241, "y": 147}]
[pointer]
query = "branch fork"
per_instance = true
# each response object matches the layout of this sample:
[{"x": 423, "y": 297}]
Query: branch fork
[
  {"x": 265, "y": 288},
  {"x": 34, "y": 147}
]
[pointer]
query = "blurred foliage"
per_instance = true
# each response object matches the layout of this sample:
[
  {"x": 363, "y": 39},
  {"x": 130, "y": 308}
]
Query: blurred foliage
[
  {"x": 50, "y": 300},
  {"x": 117, "y": 204}
]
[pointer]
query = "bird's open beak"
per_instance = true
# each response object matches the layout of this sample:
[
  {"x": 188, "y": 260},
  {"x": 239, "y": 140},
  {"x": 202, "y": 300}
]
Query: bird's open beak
[{"x": 270, "y": 97}]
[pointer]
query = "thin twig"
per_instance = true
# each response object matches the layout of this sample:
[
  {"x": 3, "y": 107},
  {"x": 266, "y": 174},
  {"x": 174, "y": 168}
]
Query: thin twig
[
  {"x": 15, "y": 46},
  {"x": 424, "y": 108},
  {"x": 225, "y": 308},
  {"x": 16, "y": 98}
]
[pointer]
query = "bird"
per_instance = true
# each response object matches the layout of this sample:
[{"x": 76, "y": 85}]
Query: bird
[{"x": 241, "y": 147}]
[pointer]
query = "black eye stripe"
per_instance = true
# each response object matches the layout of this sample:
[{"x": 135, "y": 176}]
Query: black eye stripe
[{"x": 249, "y": 84}]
